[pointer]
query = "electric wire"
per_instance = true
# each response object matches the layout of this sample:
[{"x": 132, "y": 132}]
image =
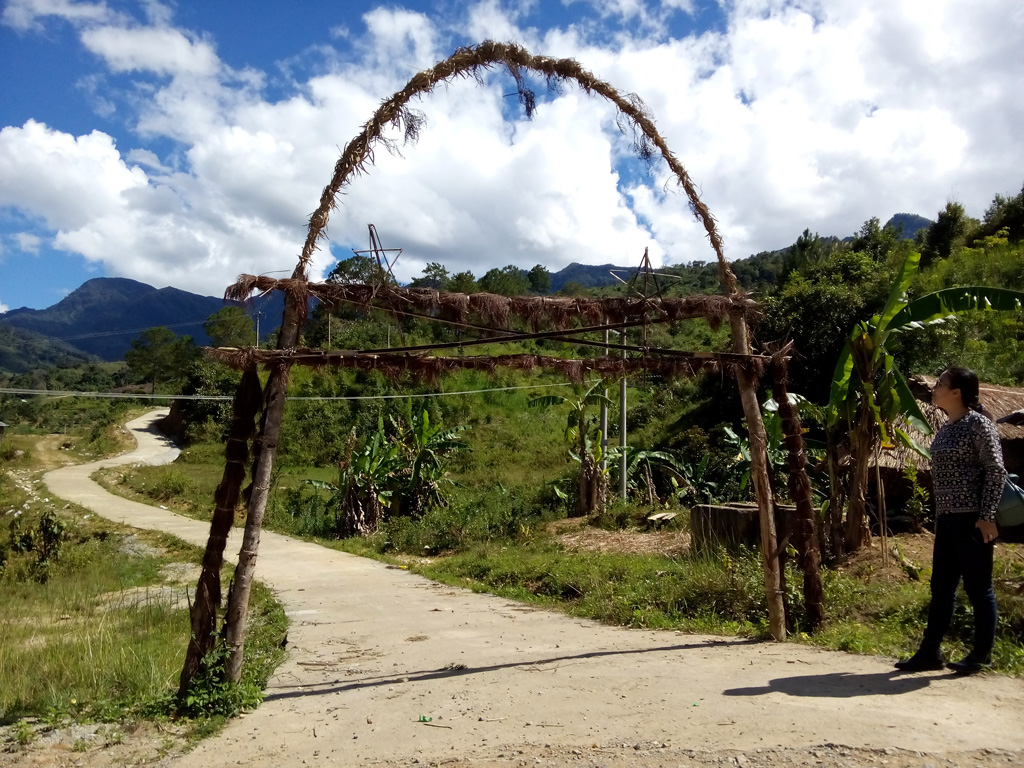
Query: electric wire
[{"x": 133, "y": 396}]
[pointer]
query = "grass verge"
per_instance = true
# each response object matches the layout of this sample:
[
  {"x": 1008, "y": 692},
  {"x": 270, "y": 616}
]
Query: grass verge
[{"x": 94, "y": 619}]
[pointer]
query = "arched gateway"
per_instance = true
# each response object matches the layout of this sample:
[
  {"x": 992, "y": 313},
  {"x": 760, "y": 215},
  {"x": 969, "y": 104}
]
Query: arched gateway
[{"x": 552, "y": 317}]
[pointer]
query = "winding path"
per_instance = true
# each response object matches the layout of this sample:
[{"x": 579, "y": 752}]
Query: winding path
[{"x": 372, "y": 648}]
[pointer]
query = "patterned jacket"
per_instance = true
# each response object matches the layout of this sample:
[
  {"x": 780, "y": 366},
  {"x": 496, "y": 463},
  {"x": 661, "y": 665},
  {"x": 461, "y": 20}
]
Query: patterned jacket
[{"x": 967, "y": 468}]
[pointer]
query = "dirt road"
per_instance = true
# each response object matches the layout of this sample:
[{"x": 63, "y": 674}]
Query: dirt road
[{"x": 388, "y": 668}]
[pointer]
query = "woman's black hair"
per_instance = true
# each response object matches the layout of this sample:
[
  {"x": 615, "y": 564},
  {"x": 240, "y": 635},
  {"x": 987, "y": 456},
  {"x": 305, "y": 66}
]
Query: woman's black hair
[{"x": 966, "y": 381}]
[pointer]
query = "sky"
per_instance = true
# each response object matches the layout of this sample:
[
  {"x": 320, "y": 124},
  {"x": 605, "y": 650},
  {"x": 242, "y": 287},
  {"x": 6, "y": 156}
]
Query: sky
[{"x": 183, "y": 143}]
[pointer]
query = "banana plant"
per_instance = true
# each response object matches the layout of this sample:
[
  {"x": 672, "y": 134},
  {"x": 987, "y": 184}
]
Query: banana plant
[
  {"x": 869, "y": 393},
  {"x": 591, "y": 478},
  {"x": 429, "y": 446},
  {"x": 775, "y": 448},
  {"x": 365, "y": 483},
  {"x": 641, "y": 466}
]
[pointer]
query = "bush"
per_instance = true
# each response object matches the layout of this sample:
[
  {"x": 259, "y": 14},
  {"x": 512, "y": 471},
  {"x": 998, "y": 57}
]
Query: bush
[
  {"x": 496, "y": 515},
  {"x": 8, "y": 452},
  {"x": 172, "y": 484}
]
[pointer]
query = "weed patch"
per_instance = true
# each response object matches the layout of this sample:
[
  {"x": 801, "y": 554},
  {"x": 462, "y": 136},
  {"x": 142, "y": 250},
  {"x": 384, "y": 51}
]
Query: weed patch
[{"x": 98, "y": 639}]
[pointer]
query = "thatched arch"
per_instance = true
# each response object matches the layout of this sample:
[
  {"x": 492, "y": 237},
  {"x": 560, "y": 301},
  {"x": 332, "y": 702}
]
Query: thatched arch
[{"x": 358, "y": 153}]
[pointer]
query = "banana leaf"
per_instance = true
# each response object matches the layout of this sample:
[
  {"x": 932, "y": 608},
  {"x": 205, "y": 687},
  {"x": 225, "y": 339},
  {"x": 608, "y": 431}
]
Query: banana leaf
[{"x": 941, "y": 305}]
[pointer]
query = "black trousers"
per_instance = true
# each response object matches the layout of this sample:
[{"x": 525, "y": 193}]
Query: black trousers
[{"x": 961, "y": 554}]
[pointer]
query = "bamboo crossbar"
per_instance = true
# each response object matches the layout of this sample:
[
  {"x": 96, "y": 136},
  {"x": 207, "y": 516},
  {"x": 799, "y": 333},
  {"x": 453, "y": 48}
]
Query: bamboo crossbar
[
  {"x": 557, "y": 312},
  {"x": 679, "y": 364}
]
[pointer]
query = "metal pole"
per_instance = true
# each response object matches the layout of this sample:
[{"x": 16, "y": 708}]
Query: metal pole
[
  {"x": 604, "y": 418},
  {"x": 622, "y": 422}
]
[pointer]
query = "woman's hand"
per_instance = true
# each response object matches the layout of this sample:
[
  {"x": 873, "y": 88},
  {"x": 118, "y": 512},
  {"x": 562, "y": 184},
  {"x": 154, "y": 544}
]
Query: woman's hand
[{"x": 989, "y": 531}]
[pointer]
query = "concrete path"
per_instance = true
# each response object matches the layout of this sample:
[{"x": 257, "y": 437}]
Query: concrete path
[{"x": 372, "y": 648}]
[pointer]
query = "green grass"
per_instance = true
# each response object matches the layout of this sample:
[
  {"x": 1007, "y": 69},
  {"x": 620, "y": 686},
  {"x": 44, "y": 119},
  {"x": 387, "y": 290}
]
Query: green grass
[{"x": 79, "y": 642}]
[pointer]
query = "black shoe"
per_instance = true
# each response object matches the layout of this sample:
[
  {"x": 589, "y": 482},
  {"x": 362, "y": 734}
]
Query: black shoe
[
  {"x": 969, "y": 665},
  {"x": 921, "y": 662}
]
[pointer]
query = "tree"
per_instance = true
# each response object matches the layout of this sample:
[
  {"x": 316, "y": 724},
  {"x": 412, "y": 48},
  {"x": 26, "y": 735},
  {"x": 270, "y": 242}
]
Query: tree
[
  {"x": 434, "y": 276},
  {"x": 948, "y": 232},
  {"x": 591, "y": 478},
  {"x": 875, "y": 240},
  {"x": 816, "y": 314},
  {"x": 463, "y": 282},
  {"x": 572, "y": 288},
  {"x": 360, "y": 269},
  {"x": 1004, "y": 213},
  {"x": 207, "y": 379},
  {"x": 540, "y": 280},
  {"x": 507, "y": 281},
  {"x": 230, "y": 327},
  {"x": 808, "y": 249},
  {"x": 428, "y": 447},
  {"x": 158, "y": 355}
]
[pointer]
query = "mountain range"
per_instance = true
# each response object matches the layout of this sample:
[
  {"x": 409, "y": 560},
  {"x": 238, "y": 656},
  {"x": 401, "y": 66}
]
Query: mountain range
[{"x": 100, "y": 319}]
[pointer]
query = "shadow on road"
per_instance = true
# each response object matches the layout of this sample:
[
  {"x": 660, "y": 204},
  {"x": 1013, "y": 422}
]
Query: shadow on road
[
  {"x": 335, "y": 686},
  {"x": 841, "y": 685}
]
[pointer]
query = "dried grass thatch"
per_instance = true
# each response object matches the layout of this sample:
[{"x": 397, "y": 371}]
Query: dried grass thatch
[
  {"x": 430, "y": 368},
  {"x": 494, "y": 311},
  {"x": 472, "y": 62}
]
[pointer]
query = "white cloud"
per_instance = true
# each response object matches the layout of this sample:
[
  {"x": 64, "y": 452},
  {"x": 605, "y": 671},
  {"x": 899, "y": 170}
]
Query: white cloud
[
  {"x": 161, "y": 50},
  {"x": 490, "y": 21},
  {"x": 797, "y": 114},
  {"x": 4, "y": 308},
  {"x": 146, "y": 158},
  {"x": 795, "y": 118},
  {"x": 28, "y": 243},
  {"x": 28, "y": 14},
  {"x": 400, "y": 37},
  {"x": 63, "y": 180}
]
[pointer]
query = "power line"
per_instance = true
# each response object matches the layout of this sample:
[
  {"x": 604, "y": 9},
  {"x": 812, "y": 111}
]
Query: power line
[
  {"x": 99, "y": 334},
  {"x": 131, "y": 396}
]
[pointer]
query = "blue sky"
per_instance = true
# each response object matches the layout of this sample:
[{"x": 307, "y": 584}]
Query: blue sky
[{"x": 184, "y": 143}]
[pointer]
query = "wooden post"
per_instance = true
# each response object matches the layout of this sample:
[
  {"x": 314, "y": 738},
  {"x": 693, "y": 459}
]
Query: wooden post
[
  {"x": 747, "y": 382},
  {"x": 203, "y": 614},
  {"x": 805, "y": 537},
  {"x": 270, "y": 430}
]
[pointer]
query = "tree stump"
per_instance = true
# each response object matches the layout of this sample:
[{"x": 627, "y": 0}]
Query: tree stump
[{"x": 733, "y": 525}]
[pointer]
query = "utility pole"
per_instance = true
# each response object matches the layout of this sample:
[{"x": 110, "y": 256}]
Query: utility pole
[
  {"x": 604, "y": 416},
  {"x": 259, "y": 314},
  {"x": 622, "y": 420}
]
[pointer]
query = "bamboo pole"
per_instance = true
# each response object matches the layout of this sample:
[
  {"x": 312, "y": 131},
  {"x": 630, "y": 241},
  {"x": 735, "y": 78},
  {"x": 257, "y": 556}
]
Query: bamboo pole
[
  {"x": 204, "y": 611},
  {"x": 747, "y": 383},
  {"x": 806, "y": 535},
  {"x": 270, "y": 431}
]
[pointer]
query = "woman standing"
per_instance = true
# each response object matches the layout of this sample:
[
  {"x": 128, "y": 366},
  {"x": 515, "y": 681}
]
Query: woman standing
[{"x": 968, "y": 477}]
